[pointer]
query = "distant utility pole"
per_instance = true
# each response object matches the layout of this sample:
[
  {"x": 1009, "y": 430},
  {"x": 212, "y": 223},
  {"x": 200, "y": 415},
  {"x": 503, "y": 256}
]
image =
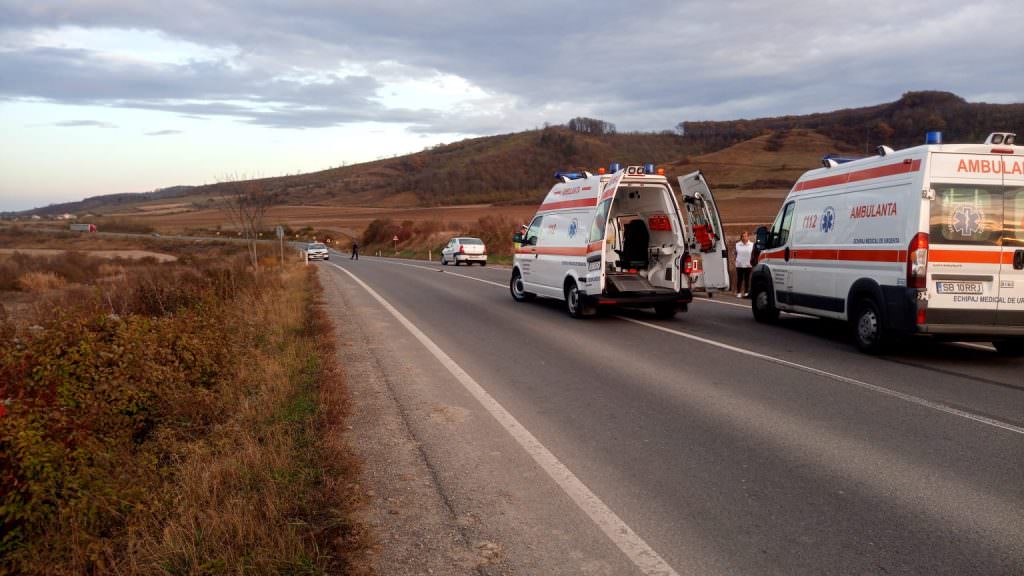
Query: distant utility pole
[{"x": 280, "y": 238}]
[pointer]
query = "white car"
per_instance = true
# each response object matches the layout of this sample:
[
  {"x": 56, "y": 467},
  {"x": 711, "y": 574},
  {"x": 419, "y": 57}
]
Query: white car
[
  {"x": 464, "y": 249},
  {"x": 317, "y": 251}
]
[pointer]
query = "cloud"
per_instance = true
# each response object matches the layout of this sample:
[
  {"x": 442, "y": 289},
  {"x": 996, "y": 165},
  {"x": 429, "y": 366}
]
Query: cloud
[
  {"x": 84, "y": 123},
  {"x": 309, "y": 63},
  {"x": 164, "y": 133}
]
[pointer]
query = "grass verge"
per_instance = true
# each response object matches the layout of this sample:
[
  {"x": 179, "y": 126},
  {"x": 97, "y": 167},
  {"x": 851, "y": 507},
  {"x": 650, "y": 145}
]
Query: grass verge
[{"x": 197, "y": 430}]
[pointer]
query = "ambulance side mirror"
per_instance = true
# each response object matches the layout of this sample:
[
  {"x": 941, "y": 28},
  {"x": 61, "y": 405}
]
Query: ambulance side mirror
[
  {"x": 761, "y": 238},
  {"x": 517, "y": 238}
]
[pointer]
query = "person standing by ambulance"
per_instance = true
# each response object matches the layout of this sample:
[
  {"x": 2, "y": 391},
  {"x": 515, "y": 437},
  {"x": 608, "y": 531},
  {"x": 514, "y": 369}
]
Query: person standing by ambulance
[{"x": 744, "y": 252}]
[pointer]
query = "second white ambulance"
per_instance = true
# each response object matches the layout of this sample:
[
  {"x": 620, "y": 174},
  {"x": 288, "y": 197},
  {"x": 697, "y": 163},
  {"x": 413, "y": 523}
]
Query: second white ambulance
[{"x": 926, "y": 240}]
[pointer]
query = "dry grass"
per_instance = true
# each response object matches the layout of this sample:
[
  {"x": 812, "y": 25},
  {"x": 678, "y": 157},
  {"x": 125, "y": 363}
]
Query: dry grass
[
  {"x": 40, "y": 281},
  {"x": 240, "y": 471}
]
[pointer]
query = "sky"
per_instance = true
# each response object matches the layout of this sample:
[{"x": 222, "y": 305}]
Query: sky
[{"x": 104, "y": 96}]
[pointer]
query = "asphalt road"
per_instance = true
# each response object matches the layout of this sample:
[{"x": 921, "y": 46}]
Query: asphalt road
[{"x": 730, "y": 447}]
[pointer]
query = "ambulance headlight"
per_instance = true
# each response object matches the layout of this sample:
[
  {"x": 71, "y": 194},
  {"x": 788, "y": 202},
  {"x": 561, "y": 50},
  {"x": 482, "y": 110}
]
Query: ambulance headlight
[{"x": 593, "y": 266}]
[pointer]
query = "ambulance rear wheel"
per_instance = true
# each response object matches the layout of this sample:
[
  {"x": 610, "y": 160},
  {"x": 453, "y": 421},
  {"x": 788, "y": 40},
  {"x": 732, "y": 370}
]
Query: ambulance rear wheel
[
  {"x": 518, "y": 289},
  {"x": 666, "y": 311},
  {"x": 763, "y": 305},
  {"x": 868, "y": 333},
  {"x": 574, "y": 301},
  {"x": 1009, "y": 347}
]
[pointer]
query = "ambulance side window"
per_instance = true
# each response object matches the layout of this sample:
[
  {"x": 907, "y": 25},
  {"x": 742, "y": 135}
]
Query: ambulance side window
[
  {"x": 533, "y": 232},
  {"x": 780, "y": 230},
  {"x": 600, "y": 222}
]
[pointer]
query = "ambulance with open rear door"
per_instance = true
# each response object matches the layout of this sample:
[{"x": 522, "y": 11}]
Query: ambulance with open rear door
[
  {"x": 926, "y": 240},
  {"x": 619, "y": 239}
]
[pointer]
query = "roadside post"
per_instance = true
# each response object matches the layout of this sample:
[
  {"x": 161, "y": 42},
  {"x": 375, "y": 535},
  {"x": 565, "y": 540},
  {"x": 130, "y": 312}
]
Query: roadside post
[
  {"x": 280, "y": 238},
  {"x": 395, "y": 240}
]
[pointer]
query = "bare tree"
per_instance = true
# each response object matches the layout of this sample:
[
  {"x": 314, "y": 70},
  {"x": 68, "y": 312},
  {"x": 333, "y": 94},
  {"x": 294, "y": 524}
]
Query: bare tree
[{"x": 245, "y": 202}]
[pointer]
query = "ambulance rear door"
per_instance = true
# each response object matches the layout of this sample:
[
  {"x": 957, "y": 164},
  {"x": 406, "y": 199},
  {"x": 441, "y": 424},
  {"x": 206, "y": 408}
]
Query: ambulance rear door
[
  {"x": 706, "y": 235},
  {"x": 965, "y": 232},
  {"x": 1011, "y": 273}
]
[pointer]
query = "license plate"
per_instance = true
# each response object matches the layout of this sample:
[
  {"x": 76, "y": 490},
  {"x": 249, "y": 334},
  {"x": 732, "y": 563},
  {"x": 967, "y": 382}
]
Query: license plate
[{"x": 959, "y": 287}]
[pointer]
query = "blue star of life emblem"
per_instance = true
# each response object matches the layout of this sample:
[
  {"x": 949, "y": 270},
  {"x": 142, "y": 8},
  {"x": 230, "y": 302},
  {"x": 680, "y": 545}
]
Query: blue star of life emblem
[
  {"x": 572, "y": 227},
  {"x": 967, "y": 220},
  {"x": 828, "y": 220}
]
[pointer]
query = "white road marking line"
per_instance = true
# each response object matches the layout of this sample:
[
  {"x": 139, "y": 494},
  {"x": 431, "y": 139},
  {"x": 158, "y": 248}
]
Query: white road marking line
[
  {"x": 713, "y": 301},
  {"x": 803, "y": 367},
  {"x": 975, "y": 346},
  {"x": 838, "y": 377},
  {"x": 631, "y": 544}
]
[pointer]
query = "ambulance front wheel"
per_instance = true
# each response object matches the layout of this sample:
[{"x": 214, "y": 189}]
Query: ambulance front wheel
[
  {"x": 763, "y": 305},
  {"x": 868, "y": 332},
  {"x": 519, "y": 293},
  {"x": 1010, "y": 347}
]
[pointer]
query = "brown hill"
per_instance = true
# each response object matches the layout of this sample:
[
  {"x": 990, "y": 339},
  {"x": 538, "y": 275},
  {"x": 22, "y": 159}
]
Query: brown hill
[{"x": 759, "y": 154}]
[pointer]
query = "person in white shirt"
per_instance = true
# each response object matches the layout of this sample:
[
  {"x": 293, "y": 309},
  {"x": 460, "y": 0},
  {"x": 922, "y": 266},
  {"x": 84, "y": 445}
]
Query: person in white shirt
[{"x": 744, "y": 251}]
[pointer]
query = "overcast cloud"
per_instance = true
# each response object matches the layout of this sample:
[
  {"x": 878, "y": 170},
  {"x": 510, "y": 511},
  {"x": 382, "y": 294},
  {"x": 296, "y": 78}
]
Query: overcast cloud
[{"x": 308, "y": 64}]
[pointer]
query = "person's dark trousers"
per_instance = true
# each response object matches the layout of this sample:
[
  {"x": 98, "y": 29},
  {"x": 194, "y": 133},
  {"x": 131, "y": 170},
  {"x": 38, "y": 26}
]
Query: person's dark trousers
[
  {"x": 355, "y": 254},
  {"x": 743, "y": 280}
]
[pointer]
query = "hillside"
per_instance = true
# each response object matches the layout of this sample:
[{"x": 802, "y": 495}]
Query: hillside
[
  {"x": 764, "y": 153},
  {"x": 899, "y": 124}
]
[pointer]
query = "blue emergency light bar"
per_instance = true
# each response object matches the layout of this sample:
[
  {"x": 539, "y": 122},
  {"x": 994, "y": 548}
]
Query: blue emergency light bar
[
  {"x": 614, "y": 167},
  {"x": 568, "y": 175},
  {"x": 934, "y": 137},
  {"x": 837, "y": 159},
  {"x": 648, "y": 168}
]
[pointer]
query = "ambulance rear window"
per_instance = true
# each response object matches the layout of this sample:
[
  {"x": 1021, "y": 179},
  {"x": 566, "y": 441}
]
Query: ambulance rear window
[
  {"x": 1014, "y": 224},
  {"x": 966, "y": 214}
]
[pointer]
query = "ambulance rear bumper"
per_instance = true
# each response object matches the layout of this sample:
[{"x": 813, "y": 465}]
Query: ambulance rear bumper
[
  {"x": 684, "y": 296},
  {"x": 971, "y": 329}
]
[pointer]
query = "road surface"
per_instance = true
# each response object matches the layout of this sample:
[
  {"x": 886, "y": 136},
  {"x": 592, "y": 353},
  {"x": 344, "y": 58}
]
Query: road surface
[{"x": 707, "y": 444}]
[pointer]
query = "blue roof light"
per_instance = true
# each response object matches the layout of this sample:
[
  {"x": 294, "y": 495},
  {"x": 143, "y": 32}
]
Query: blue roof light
[
  {"x": 934, "y": 137},
  {"x": 614, "y": 167},
  {"x": 568, "y": 175},
  {"x": 648, "y": 168}
]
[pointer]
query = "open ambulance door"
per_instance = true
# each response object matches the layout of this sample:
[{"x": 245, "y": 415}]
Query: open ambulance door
[
  {"x": 602, "y": 219},
  {"x": 706, "y": 235}
]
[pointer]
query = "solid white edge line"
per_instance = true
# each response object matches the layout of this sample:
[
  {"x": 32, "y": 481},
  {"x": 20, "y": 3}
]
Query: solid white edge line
[
  {"x": 833, "y": 376},
  {"x": 631, "y": 544}
]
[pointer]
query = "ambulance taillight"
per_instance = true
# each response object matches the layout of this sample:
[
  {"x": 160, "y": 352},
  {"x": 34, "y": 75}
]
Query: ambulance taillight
[
  {"x": 917, "y": 261},
  {"x": 688, "y": 264}
]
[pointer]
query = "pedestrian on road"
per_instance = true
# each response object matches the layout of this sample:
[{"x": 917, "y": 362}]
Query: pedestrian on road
[
  {"x": 355, "y": 251},
  {"x": 744, "y": 253}
]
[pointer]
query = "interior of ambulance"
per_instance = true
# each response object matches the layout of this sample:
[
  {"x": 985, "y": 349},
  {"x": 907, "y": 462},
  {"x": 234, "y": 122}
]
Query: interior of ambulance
[{"x": 641, "y": 243}]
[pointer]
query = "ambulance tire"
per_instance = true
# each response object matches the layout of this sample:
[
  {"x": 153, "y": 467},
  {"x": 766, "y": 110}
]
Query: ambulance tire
[
  {"x": 868, "y": 332},
  {"x": 763, "y": 305},
  {"x": 515, "y": 286},
  {"x": 1010, "y": 347},
  {"x": 574, "y": 303},
  {"x": 666, "y": 311}
]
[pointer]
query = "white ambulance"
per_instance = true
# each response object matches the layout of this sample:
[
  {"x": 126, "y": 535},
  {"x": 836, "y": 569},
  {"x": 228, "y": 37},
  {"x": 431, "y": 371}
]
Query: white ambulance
[
  {"x": 926, "y": 240},
  {"x": 619, "y": 239}
]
